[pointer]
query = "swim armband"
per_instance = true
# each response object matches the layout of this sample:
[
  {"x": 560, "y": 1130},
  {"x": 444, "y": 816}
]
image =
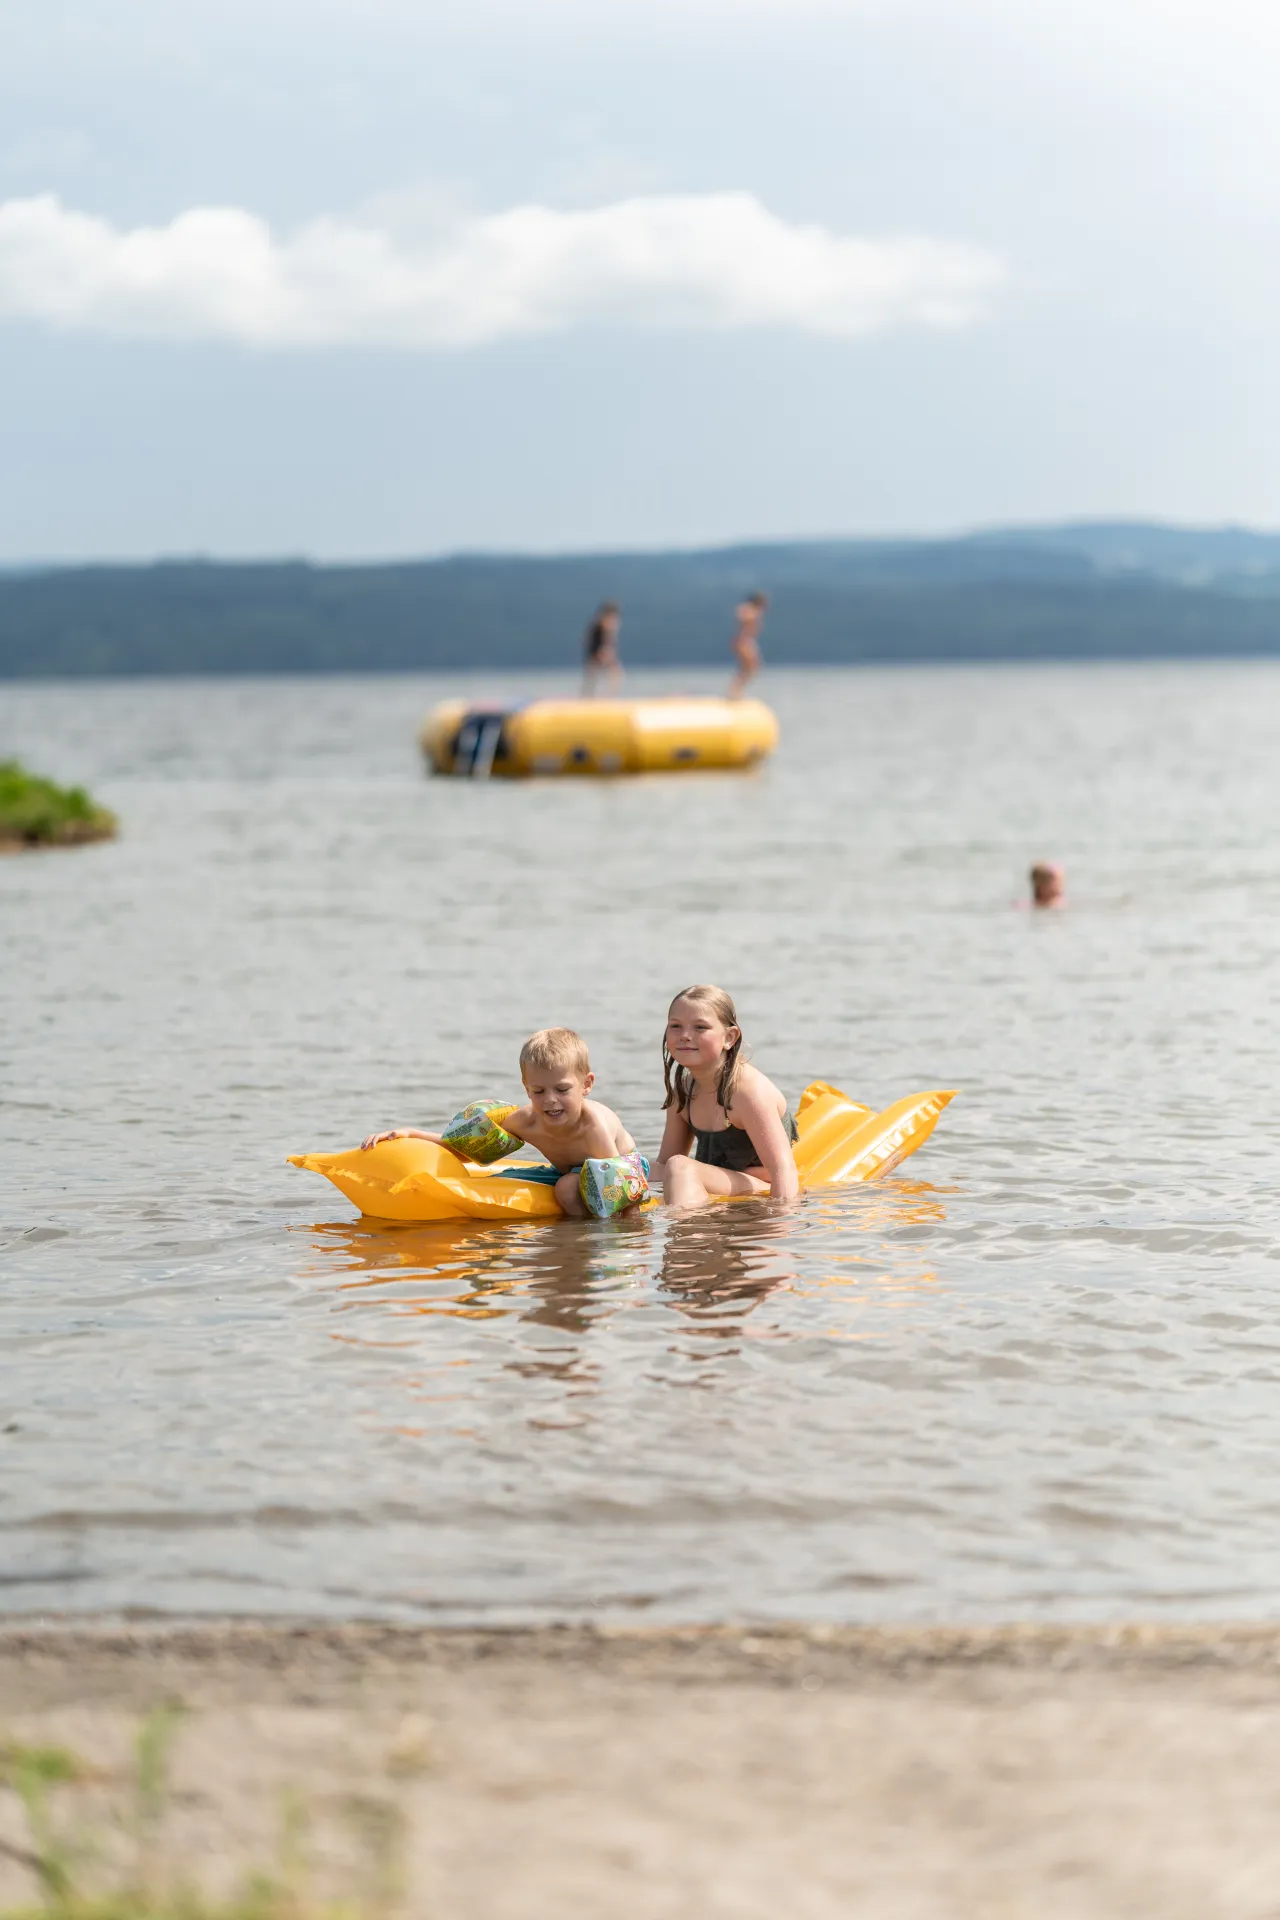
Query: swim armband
[
  {"x": 611, "y": 1186},
  {"x": 477, "y": 1133}
]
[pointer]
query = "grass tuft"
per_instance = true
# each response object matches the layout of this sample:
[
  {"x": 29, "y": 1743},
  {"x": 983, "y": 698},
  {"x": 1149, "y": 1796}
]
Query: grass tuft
[
  {"x": 56, "y": 1850},
  {"x": 36, "y": 813}
]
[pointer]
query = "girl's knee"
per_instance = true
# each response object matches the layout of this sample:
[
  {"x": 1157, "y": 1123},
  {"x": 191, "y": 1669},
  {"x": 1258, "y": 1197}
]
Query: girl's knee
[{"x": 682, "y": 1182}]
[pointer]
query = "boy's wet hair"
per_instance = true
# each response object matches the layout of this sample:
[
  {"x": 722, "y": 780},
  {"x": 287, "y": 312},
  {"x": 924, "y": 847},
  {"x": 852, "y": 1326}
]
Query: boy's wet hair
[{"x": 555, "y": 1047}]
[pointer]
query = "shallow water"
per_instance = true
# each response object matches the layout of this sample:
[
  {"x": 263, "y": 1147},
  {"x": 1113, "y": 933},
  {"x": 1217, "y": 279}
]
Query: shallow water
[{"x": 1037, "y": 1374}]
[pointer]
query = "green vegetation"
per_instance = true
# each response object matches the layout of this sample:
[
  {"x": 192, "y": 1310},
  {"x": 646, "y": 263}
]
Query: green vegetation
[
  {"x": 36, "y": 813},
  {"x": 60, "y": 1853},
  {"x": 1060, "y": 593}
]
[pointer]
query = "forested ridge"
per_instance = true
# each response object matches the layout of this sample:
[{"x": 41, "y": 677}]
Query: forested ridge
[{"x": 1088, "y": 592}]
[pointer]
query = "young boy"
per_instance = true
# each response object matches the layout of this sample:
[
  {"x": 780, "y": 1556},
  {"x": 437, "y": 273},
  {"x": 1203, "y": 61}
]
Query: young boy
[{"x": 559, "y": 1119}]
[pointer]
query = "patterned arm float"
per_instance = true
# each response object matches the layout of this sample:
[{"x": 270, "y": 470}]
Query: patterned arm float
[
  {"x": 477, "y": 1133},
  {"x": 839, "y": 1142},
  {"x": 611, "y": 1186}
]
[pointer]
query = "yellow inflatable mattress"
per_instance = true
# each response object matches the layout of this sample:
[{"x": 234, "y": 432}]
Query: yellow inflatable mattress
[
  {"x": 597, "y": 736},
  {"x": 839, "y": 1141}
]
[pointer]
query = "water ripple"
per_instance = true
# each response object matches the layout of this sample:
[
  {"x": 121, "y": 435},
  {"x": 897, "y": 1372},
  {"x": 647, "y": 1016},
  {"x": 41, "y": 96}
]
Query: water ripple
[{"x": 1033, "y": 1375}]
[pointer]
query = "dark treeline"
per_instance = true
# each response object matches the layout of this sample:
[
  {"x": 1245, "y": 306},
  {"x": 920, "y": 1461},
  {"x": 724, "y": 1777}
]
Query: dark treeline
[{"x": 1107, "y": 592}]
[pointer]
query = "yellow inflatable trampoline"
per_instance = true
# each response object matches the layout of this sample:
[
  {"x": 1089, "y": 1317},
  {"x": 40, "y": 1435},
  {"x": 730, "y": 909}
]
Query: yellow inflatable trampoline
[
  {"x": 597, "y": 736},
  {"x": 414, "y": 1180}
]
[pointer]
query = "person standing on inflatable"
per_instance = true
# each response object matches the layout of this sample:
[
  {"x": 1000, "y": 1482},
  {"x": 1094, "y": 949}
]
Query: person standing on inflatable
[
  {"x": 728, "y": 1130},
  {"x": 746, "y": 642},
  {"x": 600, "y": 650}
]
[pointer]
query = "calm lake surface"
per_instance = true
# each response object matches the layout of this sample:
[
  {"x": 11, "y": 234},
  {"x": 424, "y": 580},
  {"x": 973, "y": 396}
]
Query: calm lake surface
[{"x": 1035, "y": 1375}]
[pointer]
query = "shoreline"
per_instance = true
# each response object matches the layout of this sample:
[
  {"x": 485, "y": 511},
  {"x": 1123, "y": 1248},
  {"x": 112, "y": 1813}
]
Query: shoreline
[
  {"x": 14, "y": 844},
  {"x": 1095, "y": 1773},
  {"x": 725, "y": 1652}
]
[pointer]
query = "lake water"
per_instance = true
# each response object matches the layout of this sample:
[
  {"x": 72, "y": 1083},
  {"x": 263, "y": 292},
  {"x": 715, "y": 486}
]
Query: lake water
[{"x": 1035, "y": 1375}]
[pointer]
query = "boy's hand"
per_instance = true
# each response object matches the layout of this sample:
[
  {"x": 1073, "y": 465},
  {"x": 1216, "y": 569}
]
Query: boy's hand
[{"x": 376, "y": 1139}]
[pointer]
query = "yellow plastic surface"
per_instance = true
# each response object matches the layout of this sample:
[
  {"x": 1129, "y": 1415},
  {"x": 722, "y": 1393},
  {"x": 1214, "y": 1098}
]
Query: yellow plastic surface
[
  {"x": 614, "y": 736},
  {"x": 415, "y": 1180}
]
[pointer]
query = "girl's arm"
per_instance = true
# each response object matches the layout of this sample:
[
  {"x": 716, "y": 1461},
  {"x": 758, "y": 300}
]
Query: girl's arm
[
  {"x": 399, "y": 1133},
  {"x": 677, "y": 1137},
  {"x": 755, "y": 1108}
]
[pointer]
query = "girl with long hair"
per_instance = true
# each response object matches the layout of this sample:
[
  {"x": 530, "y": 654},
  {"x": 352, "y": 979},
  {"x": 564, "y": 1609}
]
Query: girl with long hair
[{"x": 728, "y": 1130}]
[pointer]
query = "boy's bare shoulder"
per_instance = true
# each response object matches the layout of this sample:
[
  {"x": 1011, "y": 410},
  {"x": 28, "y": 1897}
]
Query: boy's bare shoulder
[{"x": 605, "y": 1122}]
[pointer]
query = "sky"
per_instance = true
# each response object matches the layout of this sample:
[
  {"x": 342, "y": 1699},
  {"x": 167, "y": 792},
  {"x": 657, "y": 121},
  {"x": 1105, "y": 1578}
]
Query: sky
[{"x": 400, "y": 278}]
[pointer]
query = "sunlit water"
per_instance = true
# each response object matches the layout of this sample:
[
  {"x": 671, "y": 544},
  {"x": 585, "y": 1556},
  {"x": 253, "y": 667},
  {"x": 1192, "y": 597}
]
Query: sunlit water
[{"x": 1038, "y": 1374}]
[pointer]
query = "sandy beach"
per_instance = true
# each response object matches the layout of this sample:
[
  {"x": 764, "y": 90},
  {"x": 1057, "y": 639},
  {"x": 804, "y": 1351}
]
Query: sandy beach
[{"x": 512, "y": 1775}]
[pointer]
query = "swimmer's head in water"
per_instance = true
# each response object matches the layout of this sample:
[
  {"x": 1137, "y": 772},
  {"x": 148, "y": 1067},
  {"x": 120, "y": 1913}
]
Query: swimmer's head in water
[
  {"x": 702, "y": 1035},
  {"x": 1048, "y": 884},
  {"x": 557, "y": 1074}
]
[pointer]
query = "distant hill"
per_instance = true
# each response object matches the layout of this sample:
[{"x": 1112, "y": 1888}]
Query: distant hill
[{"x": 1110, "y": 591}]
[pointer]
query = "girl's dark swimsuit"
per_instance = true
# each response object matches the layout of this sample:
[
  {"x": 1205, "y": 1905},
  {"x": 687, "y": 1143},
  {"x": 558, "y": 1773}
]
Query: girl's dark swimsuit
[{"x": 732, "y": 1147}]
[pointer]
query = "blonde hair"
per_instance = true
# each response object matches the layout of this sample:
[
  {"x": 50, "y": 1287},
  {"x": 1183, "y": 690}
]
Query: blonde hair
[
  {"x": 555, "y": 1047},
  {"x": 678, "y": 1081}
]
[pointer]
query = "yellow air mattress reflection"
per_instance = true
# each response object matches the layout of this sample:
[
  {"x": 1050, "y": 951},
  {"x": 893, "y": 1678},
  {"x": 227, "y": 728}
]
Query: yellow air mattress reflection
[
  {"x": 414, "y": 1180},
  {"x": 597, "y": 736}
]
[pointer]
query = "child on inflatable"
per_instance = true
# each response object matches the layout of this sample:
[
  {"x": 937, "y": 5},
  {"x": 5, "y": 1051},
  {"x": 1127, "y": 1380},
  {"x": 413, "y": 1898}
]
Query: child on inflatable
[
  {"x": 599, "y": 1169},
  {"x": 736, "y": 1120}
]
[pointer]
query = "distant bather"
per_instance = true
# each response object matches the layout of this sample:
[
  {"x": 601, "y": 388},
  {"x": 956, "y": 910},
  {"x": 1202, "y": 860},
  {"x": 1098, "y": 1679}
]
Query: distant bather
[{"x": 600, "y": 661}]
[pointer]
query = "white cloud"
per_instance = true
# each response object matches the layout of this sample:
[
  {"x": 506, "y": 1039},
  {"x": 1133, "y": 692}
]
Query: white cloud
[{"x": 712, "y": 262}]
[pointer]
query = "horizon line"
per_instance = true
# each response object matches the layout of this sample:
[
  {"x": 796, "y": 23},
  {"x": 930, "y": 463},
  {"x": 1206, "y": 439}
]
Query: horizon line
[{"x": 1019, "y": 529}]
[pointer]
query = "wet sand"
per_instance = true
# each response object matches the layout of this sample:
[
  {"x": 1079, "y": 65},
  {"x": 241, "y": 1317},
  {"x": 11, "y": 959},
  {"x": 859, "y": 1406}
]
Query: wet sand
[{"x": 795, "y": 1773}]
